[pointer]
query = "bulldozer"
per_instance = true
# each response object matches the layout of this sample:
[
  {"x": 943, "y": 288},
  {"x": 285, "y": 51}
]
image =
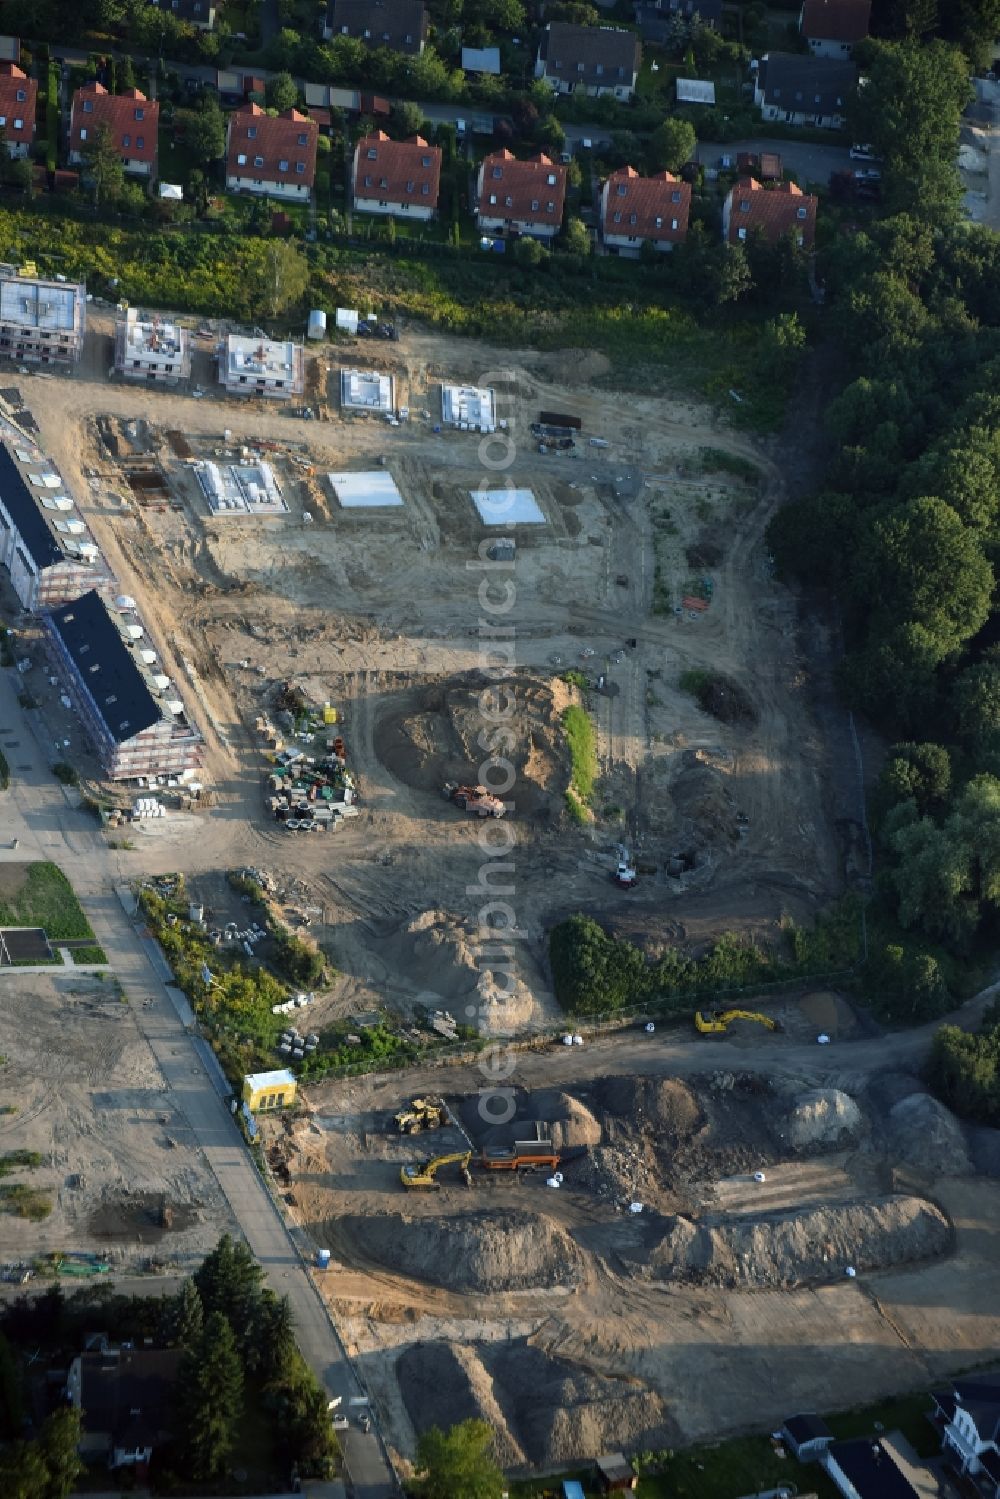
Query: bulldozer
[
  {"x": 422, "y": 1113},
  {"x": 717, "y": 1022},
  {"x": 424, "y": 1173}
]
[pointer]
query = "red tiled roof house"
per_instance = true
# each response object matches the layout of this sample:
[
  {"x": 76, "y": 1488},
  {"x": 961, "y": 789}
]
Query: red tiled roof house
[
  {"x": 396, "y": 177},
  {"x": 523, "y": 197},
  {"x": 132, "y": 120},
  {"x": 638, "y": 210},
  {"x": 272, "y": 155},
  {"x": 751, "y": 209},
  {"x": 832, "y": 27},
  {"x": 18, "y": 97}
]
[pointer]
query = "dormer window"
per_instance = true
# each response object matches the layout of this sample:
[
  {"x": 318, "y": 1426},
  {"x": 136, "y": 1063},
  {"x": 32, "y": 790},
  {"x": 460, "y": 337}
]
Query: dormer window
[
  {"x": 411, "y": 186},
  {"x": 551, "y": 179},
  {"x": 282, "y": 166},
  {"x": 126, "y": 142},
  {"x": 508, "y": 201},
  {"x": 550, "y": 208},
  {"x": 140, "y": 114},
  {"x": 801, "y": 213},
  {"x": 622, "y": 190},
  {"x": 140, "y": 142},
  {"x": 617, "y": 217},
  {"x": 497, "y": 172},
  {"x": 425, "y": 189},
  {"x": 633, "y": 218},
  {"x": 303, "y": 139},
  {"x": 21, "y": 96},
  {"x": 300, "y": 168},
  {"x": 534, "y": 205},
  {"x": 372, "y": 153},
  {"x": 241, "y": 159},
  {"x": 425, "y": 161},
  {"x": 744, "y": 205},
  {"x": 258, "y": 161},
  {"x": 251, "y": 132},
  {"x": 88, "y": 106},
  {"x": 368, "y": 182},
  {"x": 675, "y": 196},
  {"x": 659, "y": 222}
]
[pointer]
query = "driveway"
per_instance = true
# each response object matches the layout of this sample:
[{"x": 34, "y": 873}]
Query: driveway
[
  {"x": 47, "y": 824},
  {"x": 809, "y": 162}
]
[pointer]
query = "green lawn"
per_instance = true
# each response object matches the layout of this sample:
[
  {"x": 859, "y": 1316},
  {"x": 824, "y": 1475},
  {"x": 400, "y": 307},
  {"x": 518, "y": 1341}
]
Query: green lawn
[
  {"x": 41, "y": 895},
  {"x": 905, "y": 1413}
]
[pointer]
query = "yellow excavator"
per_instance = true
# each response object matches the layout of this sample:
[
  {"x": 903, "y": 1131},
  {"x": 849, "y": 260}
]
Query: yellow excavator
[
  {"x": 717, "y": 1022},
  {"x": 424, "y": 1173}
]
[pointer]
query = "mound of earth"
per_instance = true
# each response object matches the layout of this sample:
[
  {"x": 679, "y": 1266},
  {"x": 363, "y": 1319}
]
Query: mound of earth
[
  {"x": 823, "y": 1118},
  {"x": 701, "y": 794},
  {"x": 788, "y": 1249},
  {"x": 571, "y": 1124},
  {"x": 432, "y": 735},
  {"x": 618, "y": 1173},
  {"x": 926, "y": 1135},
  {"x": 666, "y": 1106},
  {"x": 725, "y": 699},
  {"x": 542, "y": 1410},
  {"x": 502, "y": 1249},
  {"x": 445, "y": 1383},
  {"x": 438, "y": 952}
]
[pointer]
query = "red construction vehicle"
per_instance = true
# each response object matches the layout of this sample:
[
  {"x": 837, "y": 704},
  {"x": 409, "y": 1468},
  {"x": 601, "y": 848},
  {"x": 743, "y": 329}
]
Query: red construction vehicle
[{"x": 475, "y": 800}]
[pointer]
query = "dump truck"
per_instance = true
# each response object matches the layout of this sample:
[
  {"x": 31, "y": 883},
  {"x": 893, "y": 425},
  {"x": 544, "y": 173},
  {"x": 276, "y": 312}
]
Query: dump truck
[
  {"x": 475, "y": 800},
  {"x": 523, "y": 1155},
  {"x": 422, "y": 1113},
  {"x": 424, "y": 1173},
  {"x": 717, "y": 1022}
]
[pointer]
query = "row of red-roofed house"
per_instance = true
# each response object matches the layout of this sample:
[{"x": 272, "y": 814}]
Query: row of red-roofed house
[{"x": 402, "y": 179}]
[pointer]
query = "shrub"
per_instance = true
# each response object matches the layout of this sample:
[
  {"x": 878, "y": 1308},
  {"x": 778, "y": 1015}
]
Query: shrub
[{"x": 66, "y": 773}]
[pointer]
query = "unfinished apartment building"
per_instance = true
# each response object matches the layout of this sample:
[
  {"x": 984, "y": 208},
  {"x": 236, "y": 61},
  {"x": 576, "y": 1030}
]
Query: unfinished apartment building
[
  {"x": 41, "y": 322},
  {"x": 137, "y": 726},
  {"x": 150, "y": 347},
  {"x": 262, "y": 367}
]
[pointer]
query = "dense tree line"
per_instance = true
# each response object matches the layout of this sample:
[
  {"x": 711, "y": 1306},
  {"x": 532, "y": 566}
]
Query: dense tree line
[
  {"x": 907, "y": 526},
  {"x": 964, "y": 1069}
]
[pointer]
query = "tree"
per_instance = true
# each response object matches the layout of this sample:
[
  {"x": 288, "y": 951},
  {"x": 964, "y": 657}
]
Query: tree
[
  {"x": 408, "y": 118},
  {"x": 910, "y": 109},
  {"x": 282, "y": 91},
  {"x": 672, "y": 144},
  {"x": 976, "y": 698},
  {"x": 103, "y": 166},
  {"x": 11, "y": 1394},
  {"x": 920, "y": 773},
  {"x": 284, "y": 277},
  {"x": 183, "y": 1317},
  {"x": 58, "y": 1446},
  {"x": 228, "y": 1282},
  {"x": 528, "y": 252},
  {"x": 209, "y": 1399},
  {"x": 205, "y": 132},
  {"x": 458, "y": 1464},
  {"x": 577, "y": 237},
  {"x": 934, "y": 882}
]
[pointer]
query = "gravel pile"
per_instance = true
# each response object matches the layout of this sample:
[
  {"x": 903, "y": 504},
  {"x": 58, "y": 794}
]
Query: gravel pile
[{"x": 502, "y": 1249}]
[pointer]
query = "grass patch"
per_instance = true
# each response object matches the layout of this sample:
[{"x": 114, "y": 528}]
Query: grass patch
[
  {"x": 576, "y": 679},
  {"x": 905, "y": 1413},
  {"x": 25, "y": 1202},
  {"x": 582, "y": 741},
  {"x": 19, "y": 1160},
  {"x": 696, "y": 682},
  {"x": 89, "y": 953},
  {"x": 41, "y": 895},
  {"x": 718, "y": 461}
]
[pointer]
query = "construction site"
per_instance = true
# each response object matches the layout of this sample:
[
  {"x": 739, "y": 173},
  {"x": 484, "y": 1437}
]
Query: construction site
[
  {"x": 350, "y": 608},
  {"x": 654, "y": 1247}
]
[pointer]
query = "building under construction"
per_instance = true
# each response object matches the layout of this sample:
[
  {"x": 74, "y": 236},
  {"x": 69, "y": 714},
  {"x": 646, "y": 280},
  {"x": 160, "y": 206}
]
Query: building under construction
[
  {"x": 149, "y": 347},
  {"x": 41, "y": 321},
  {"x": 262, "y": 367}
]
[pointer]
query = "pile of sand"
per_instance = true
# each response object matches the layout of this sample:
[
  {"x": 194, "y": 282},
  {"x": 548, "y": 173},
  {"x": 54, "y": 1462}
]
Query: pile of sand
[
  {"x": 571, "y": 1123},
  {"x": 926, "y": 1135},
  {"x": 822, "y": 1119},
  {"x": 438, "y": 952},
  {"x": 502, "y": 1249},
  {"x": 787, "y": 1249},
  {"x": 667, "y": 1107},
  {"x": 542, "y": 1410}
]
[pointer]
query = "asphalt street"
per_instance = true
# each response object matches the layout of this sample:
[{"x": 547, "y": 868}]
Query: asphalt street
[{"x": 47, "y": 824}]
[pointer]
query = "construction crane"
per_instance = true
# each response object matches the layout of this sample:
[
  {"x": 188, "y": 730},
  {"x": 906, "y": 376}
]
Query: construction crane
[
  {"x": 716, "y": 1022},
  {"x": 424, "y": 1173},
  {"x": 422, "y": 1113}
]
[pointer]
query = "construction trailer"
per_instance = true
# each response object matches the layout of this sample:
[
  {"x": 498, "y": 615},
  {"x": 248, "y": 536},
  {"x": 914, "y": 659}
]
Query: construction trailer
[{"x": 265, "y": 1091}]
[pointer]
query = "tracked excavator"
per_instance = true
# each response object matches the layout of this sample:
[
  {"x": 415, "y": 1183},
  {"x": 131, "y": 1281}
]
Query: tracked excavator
[
  {"x": 717, "y": 1022},
  {"x": 424, "y": 1173}
]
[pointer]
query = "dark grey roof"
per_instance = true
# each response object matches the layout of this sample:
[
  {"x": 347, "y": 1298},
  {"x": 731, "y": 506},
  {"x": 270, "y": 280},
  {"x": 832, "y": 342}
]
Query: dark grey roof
[
  {"x": 106, "y": 666},
  {"x": 23, "y": 509},
  {"x": 806, "y": 85},
  {"x": 655, "y": 17},
  {"x": 807, "y": 1428},
  {"x": 609, "y": 57},
  {"x": 871, "y": 1471},
  {"x": 126, "y": 1393},
  {"x": 387, "y": 22}
]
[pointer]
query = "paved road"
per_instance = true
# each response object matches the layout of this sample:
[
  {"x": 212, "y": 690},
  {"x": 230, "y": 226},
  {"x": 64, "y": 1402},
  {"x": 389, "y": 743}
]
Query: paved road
[
  {"x": 41, "y": 815},
  {"x": 809, "y": 162}
]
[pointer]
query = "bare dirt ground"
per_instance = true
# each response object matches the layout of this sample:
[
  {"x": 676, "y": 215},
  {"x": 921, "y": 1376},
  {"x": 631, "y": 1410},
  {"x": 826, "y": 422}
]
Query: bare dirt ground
[
  {"x": 81, "y": 1087},
  {"x": 571, "y": 1323},
  {"x": 379, "y": 612}
]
